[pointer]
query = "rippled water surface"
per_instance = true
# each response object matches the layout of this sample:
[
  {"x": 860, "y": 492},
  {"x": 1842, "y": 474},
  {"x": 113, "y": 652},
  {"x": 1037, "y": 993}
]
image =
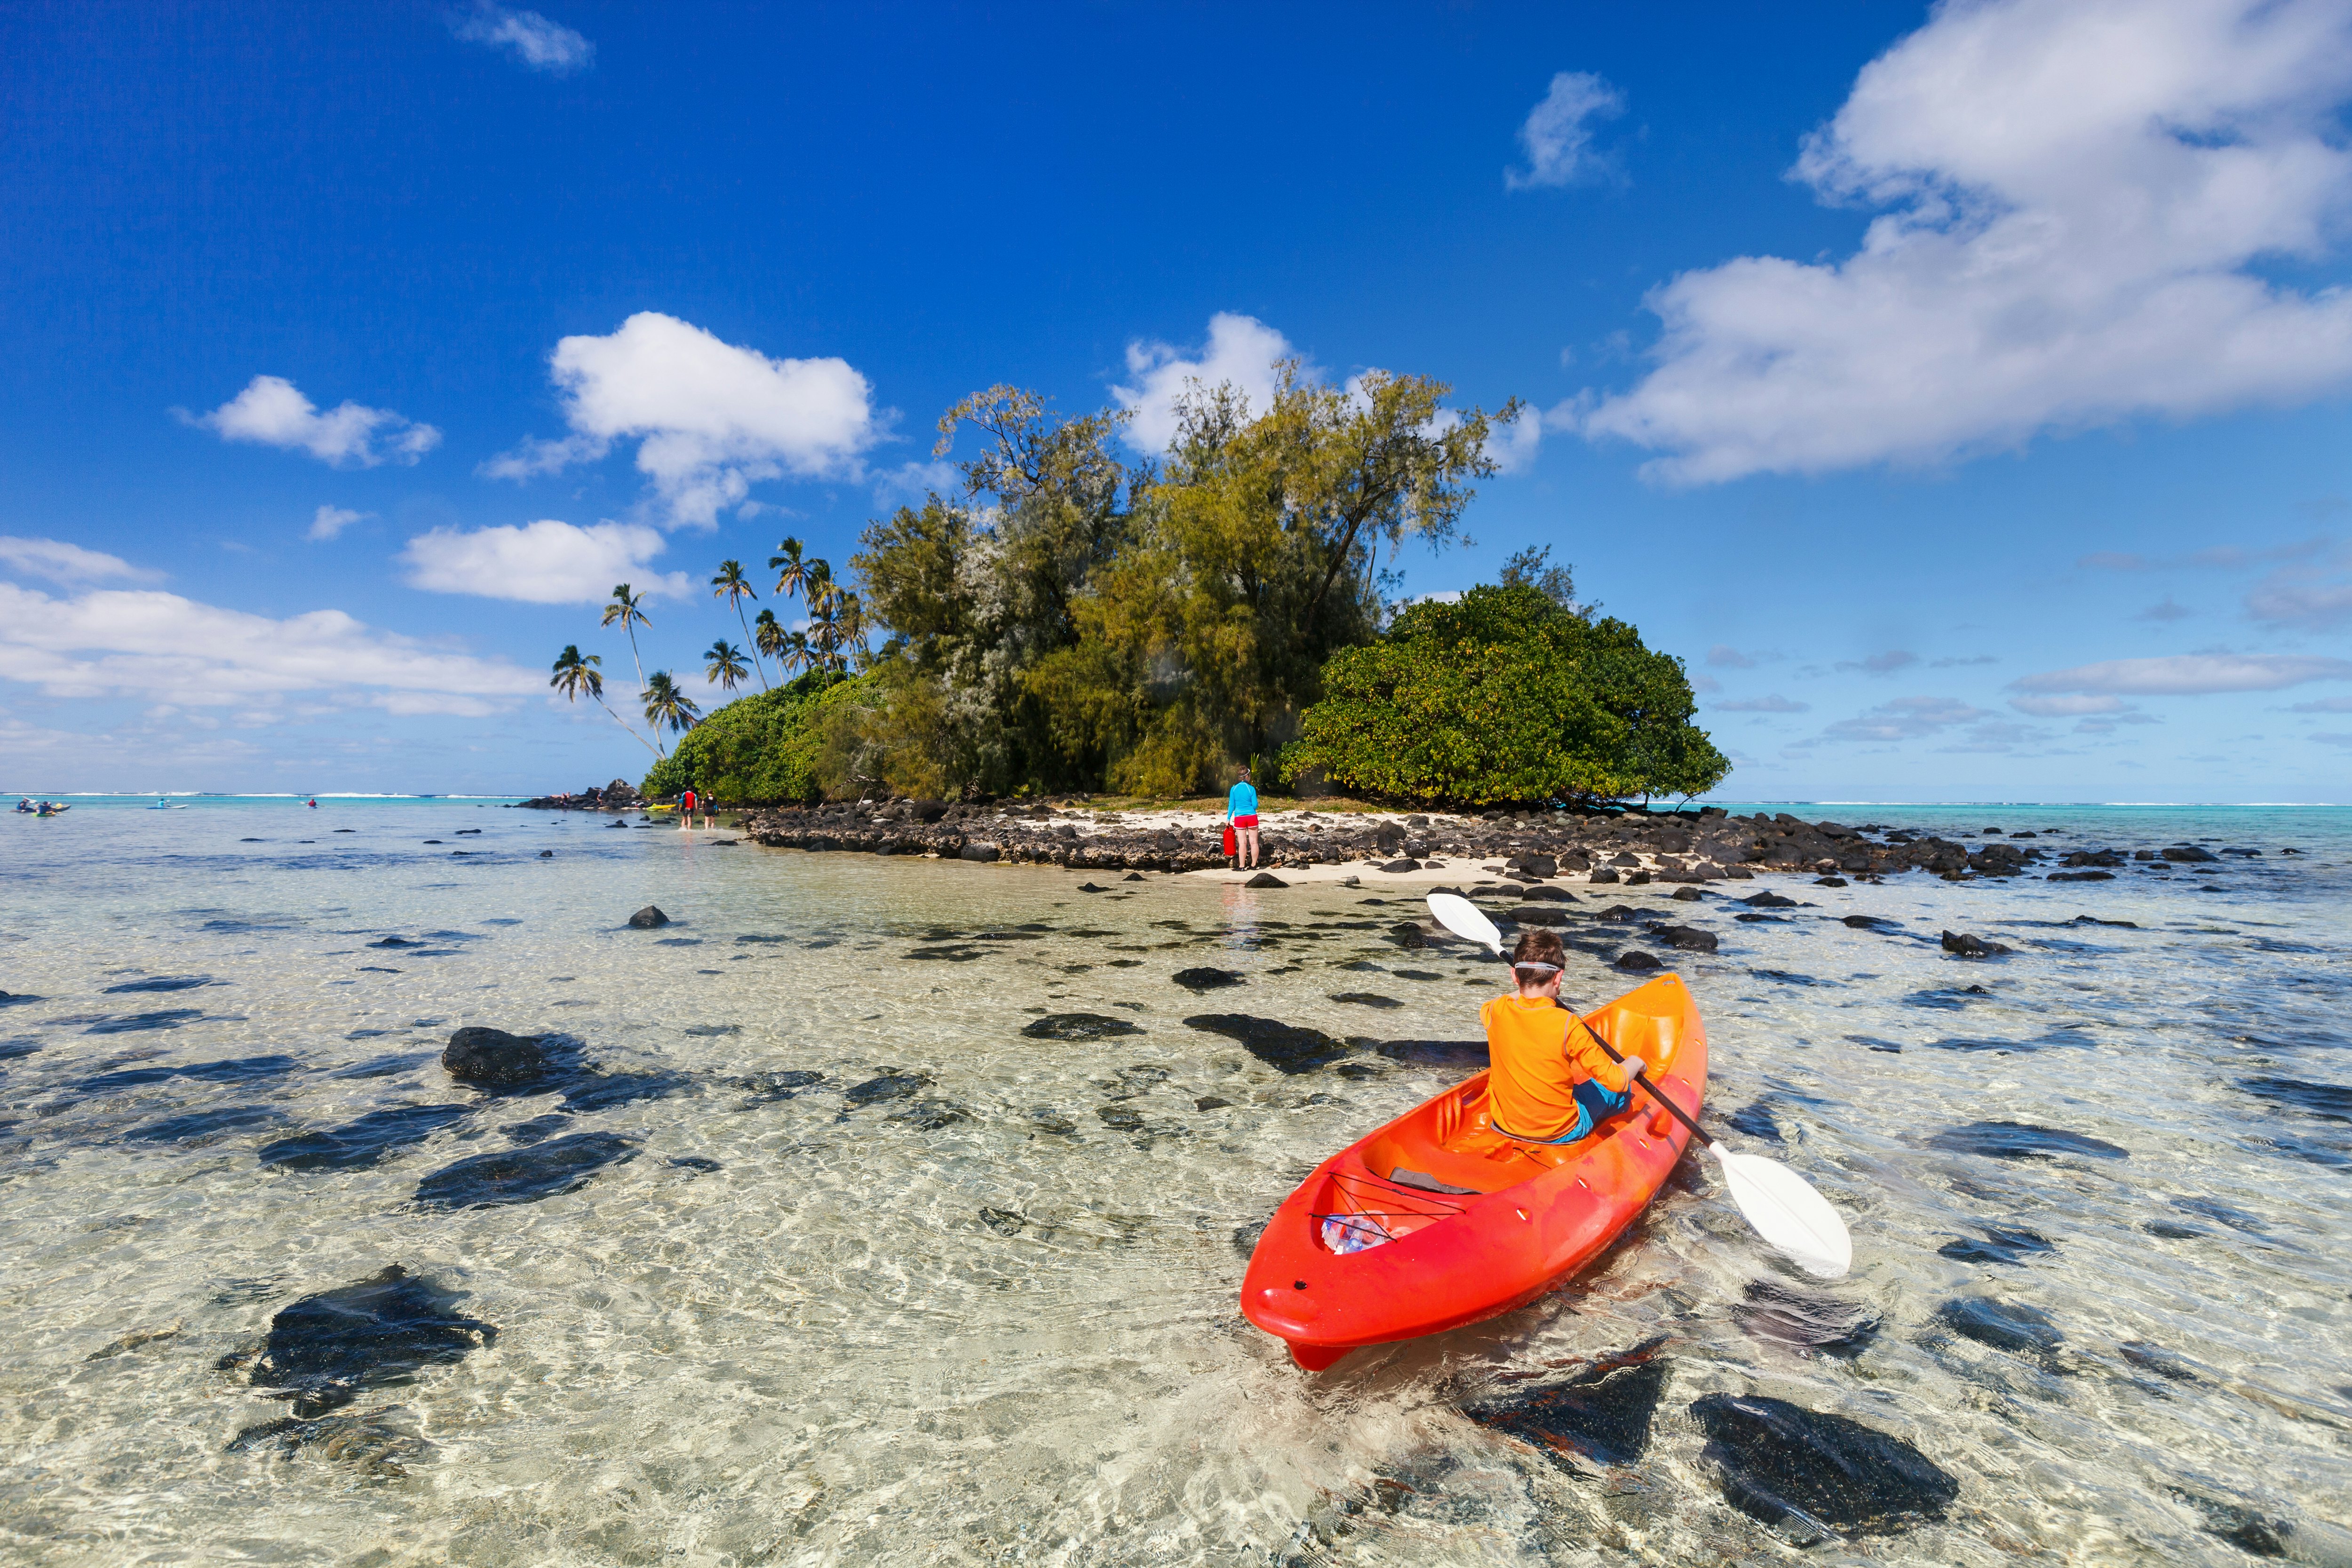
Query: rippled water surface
[{"x": 989, "y": 1314}]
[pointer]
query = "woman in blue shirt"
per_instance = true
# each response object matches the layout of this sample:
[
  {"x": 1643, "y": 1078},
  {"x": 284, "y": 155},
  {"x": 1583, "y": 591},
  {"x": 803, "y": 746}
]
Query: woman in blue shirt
[{"x": 1241, "y": 811}]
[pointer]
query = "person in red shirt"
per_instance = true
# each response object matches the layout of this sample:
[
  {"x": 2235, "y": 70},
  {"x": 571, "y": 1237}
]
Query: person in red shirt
[
  {"x": 1548, "y": 1080},
  {"x": 685, "y": 810}
]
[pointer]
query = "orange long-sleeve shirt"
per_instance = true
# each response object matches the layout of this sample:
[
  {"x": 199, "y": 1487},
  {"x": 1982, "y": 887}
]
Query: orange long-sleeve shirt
[{"x": 1536, "y": 1060}]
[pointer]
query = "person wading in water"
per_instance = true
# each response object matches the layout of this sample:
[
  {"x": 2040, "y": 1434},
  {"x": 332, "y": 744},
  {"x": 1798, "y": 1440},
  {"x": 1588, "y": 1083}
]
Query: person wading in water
[{"x": 1241, "y": 811}]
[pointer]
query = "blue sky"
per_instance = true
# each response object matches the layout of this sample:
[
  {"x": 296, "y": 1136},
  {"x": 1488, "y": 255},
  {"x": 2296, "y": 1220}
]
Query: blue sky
[{"x": 1960, "y": 392}]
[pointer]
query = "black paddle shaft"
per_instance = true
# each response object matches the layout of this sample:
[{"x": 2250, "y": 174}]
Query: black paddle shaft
[{"x": 1640, "y": 1078}]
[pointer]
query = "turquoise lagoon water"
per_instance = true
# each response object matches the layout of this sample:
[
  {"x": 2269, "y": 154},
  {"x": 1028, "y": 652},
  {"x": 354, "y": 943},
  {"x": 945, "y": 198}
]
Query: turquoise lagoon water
[{"x": 995, "y": 1321}]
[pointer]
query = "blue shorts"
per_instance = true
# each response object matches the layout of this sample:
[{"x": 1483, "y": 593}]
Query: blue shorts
[{"x": 1594, "y": 1105}]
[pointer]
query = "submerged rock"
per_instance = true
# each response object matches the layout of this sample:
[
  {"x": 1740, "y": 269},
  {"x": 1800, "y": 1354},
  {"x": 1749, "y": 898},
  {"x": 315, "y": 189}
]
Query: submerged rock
[
  {"x": 2330, "y": 1101},
  {"x": 1205, "y": 978},
  {"x": 1804, "y": 1321},
  {"x": 2022, "y": 1140},
  {"x": 1601, "y": 1414},
  {"x": 769, "y": 1087},
  {"x": 524, "y": 1175},
  {"x": 2255, "y": 1534},
  {"x": 361, "y": 1142},
  {"x": 2004, "y": 1325},
  {"x": 1635, "y": 961},
  {"x": 1077, "y": 1026},
  {"x": 650, "y": 918},
  {"x": 1998, "y": 1246},
  {"x": 1366, "y": 999},
  {"x": 162, "y": 983},
  {"x": 1788, "y": 1466},
  {"x": 494, "y": 1059},
  {"x": 889, "y": 1086},
  {"x": 373, "y": 1441},
  {"x": 1286, "y": 1047},
  {"x": 1689, "y": 939},
  {"x": 201, "y": 1127},
  {"x": 373, "y": 1333},
  {"x": 1266, "y": 880},
  {"x": 1768, "y": 899}
]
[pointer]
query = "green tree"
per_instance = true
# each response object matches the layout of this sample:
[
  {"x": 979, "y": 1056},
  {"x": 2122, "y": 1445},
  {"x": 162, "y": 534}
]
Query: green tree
[
  {"x": 768, "y": 637},
  {"x": 977, "y": 590},
  {"x": 576, "y": 673},
  {"x": 667, "y": 705},
  {"x": 726, "y": 667},
  {"x": 1508, "y": 696},
  {"x": 1257, "y": 556},
  {"x": 732, "y": 586},
  {"x": 624, "y": 607},
  {"x": 791, "y": 566},
  {"x": 767, "y": 749}
]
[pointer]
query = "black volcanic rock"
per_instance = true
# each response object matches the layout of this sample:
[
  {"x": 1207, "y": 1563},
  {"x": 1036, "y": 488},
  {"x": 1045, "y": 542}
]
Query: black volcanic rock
[{"x": 380, "y": 1330}]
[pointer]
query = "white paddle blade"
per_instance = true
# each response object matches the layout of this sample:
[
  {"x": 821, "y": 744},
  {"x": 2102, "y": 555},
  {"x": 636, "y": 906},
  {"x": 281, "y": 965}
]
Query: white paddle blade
[
  {"x": 1459, "y": 916},
  {"x": 1787, "y": 1212}
]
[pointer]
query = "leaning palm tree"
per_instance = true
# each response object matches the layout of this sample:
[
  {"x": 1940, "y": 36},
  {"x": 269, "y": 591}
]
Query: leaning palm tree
[
  {"x": 768, "y": 637},
  {"x": 624, "y": 607},
  {"x": 792, "y": 565},
  {"x": 727, "y": 667},
  {"x": 575, "y": 674},
  {"x": 732, "y": 587},
  {"x": 667, "y": 705}
]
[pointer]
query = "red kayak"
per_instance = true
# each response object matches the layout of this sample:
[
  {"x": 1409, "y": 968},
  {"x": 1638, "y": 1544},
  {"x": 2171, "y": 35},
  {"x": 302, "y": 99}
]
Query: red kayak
[{"x": 1437, "y": 1220}]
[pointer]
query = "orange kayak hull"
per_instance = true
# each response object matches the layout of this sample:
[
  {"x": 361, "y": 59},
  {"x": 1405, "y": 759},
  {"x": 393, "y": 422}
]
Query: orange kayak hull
[{"x": 1521, "y": 1217}]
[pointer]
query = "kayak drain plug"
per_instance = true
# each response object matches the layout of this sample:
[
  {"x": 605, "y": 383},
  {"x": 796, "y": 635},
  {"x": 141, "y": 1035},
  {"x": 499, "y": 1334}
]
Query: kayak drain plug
[{"x": 1298, "y": 1284}]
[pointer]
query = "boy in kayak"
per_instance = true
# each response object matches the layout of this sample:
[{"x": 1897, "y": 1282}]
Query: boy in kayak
[{"x": 1551, "y": 1081}]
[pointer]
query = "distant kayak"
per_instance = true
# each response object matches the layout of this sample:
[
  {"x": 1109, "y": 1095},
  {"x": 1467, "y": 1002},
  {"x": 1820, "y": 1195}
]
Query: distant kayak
[{"x": 1437, "y": 1220}]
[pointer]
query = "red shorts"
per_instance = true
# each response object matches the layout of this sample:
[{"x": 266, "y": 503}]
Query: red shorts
[{"x": 1245, "y": 823}]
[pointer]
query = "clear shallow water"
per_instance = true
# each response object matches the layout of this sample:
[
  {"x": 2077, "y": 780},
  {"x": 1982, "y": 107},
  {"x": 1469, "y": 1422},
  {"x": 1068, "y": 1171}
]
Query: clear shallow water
[{"x": 825, "y": 1351}]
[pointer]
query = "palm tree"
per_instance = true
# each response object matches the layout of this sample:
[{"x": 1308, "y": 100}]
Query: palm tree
[
  {"x": 798, "y": 653},
  {"x": 732, "y": 587},
  {"x": 666, "y": 704},
  {"x": 824, "y": 626},
  {"x": 575, "y": 674},
  {"x": 623, "y": 608},
  {"x": 727, "y": 667},
  {"x": 768, "y": 637},
  {"x": 852, "y": 614},
  {"x": 794, "y": 569}
]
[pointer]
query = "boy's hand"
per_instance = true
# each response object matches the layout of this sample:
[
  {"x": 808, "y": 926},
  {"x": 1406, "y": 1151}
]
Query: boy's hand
[{"x": 1635, "y": 1067}]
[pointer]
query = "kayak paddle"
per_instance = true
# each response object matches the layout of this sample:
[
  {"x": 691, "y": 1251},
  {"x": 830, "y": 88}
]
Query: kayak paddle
[{"x": 1780, "y": 1204}]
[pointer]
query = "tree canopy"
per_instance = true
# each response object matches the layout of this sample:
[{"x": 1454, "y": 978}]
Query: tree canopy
[
  {"x": 765, "y": 749},
  {"x": 1509, "y": 695}
]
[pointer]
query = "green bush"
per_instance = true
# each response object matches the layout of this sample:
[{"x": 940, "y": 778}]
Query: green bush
[
  {"x": 1505, "y": 697},
  {"x": 763, "y": 749}
]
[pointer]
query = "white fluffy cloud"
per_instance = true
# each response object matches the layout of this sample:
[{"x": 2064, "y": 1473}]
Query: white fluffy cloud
[
  {"x": 543, "y": 563},
  {"x": 1905, "y": 719},
  {"x": 58, "y": 562},
  {"x": 1242, "y": 350},
  {"x": 714, "y": 419},
  {"x": 271, "y": 411},
  {"x": 1558, "y": 135},
  {"x": 2080, "y": 192},
  {"x": 2187, "y": 675},
  {"x": 330, "y": 521},
  {"x": 530, "y": 38},
  {"x": 159, "y": 648}
]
